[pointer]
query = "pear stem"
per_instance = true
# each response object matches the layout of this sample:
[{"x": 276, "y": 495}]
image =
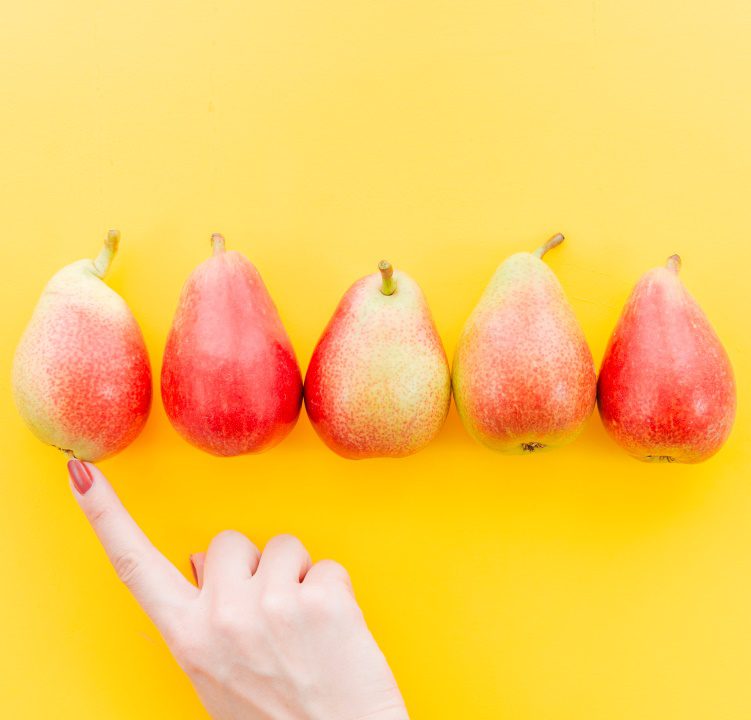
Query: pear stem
[
  {"x": 674, "y": 263},
  {"x": 217, "y": 243},
  {"x": 388, "y": 286},
  {"x": 555, "y": 241},
  {"x": 104, "y": 259}
]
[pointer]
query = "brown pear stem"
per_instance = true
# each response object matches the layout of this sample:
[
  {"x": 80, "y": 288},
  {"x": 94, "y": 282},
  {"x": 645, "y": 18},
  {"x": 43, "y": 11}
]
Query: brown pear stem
[
  {"x": 555, "y": 241},
  {"x": 388, "y": 286},
  {"x": 674, "y": 263},
  {"x": 104, "y": 259},
  {"x": 217, "y": 243}
]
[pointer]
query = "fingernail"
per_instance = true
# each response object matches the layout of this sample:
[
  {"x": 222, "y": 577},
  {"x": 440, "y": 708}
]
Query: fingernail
[
  {"x": 193, "y": 568},
  {"x": 80, "y": 476}
]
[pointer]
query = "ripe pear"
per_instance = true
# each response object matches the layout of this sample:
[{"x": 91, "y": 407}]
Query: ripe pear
[
  {"x": 230, "y": 379},
  {"x": 378, "y": 383},
  {"x": 523, "y": 375},
  {"x": 81, "y": 373},
  {"x": 666, "y": 391}
]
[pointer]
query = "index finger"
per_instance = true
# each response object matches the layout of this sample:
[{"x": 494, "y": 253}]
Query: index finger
[{"x": 155, "y": 582}]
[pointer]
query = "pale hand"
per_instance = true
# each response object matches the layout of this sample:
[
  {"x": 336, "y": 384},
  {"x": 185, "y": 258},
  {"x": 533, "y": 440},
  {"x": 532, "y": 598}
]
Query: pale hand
[{"x": 265, "y": 636}]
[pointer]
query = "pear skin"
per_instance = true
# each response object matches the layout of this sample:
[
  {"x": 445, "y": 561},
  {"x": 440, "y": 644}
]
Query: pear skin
[
  {"x": 378, "y": 383},
  {"x": 230, "y": 380},
  {"x": 81, "y": 373},
  {"x": 523, "y": 375},
  {"x": 666, "y": 390}
]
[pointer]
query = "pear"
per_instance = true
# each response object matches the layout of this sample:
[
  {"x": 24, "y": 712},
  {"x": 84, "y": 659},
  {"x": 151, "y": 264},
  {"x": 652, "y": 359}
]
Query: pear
[
  {"x": 378, "y": 383},
  {"x": 81, "y": 373},
  {"x": 666, "y": 391},
  {"x": 523, "y": 375},
  {"x": 230, "y": 379}
]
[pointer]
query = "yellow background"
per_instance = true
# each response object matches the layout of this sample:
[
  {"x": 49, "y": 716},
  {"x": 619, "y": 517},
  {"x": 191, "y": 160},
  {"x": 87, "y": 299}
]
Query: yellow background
[{"x": 320, "y": 136}]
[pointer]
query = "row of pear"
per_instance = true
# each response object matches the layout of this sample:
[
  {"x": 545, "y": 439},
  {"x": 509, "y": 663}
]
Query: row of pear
[{"x": 379, "y": 382}]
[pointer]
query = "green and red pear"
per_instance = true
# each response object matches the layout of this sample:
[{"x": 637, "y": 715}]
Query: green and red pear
[
  {"x": 378, "y": 382},
  {"x": 666, "y": 391},
  {"x": 523, "y": 375},
  {"x": 81, "y": 373}
]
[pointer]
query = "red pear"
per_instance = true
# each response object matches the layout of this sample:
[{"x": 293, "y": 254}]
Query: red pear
[
  {"x": 81, "y": 374},
  {"x": 230, "y": 380},
  {"x": 666, "y": 391}
]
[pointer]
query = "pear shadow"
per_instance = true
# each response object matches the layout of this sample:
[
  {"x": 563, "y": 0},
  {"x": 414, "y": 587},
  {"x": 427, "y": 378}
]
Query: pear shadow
[{"x": 589, "y": 495}]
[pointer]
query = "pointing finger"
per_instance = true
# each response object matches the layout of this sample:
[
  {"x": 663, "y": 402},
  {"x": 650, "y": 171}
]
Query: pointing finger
[{"x": 157, "y": 585}]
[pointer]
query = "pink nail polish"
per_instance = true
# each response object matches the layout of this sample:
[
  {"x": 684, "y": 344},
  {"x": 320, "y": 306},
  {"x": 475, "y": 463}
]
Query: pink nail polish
[{"x": 80, "y": 475}]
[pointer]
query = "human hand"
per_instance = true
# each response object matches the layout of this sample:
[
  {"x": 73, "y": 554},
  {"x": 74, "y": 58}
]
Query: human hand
[{"x": 265, "y": 636}]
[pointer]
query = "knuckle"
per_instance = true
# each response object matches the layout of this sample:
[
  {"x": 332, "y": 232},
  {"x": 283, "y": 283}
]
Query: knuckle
[
  {"x": 174, "y": 639},
  {"x": 227, "y": 618},
  {"x": 178, "y": 625},
  {"x": 99, "y": 515},
  {"x": 190, "y": 654},
  {"x": 318, "y": 601},
  {"x": 229, "y": 536},
  {"x": 127, "y": 566},
  {"x": 190, "y": 664},
  {"x": 278, "y": 606},
  {"x": 336, "y": 570},
  {"x": 224, "y": 621},
  {"x": 286, "y": 540}
]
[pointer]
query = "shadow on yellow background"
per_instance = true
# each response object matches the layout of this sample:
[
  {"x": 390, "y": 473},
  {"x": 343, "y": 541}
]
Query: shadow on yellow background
[{"x": 320, "y": 137}]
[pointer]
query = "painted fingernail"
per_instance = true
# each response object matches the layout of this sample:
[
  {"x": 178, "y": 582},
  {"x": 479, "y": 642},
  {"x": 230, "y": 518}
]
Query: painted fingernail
[
  {"x": 80, "y": 476},
  {"x": 193, "y": 568}
]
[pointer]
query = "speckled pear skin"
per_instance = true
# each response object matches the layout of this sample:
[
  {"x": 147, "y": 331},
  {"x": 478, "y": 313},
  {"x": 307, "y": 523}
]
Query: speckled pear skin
[
  {"x": 81, "y": 373},
  {"x": 378, "y": 384},
  {"x": 523, "y": 375},
  {"x": 666, "y": 390}
]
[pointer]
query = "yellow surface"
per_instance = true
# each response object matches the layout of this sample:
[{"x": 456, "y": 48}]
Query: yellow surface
[{"x": 320, "y": 137}]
